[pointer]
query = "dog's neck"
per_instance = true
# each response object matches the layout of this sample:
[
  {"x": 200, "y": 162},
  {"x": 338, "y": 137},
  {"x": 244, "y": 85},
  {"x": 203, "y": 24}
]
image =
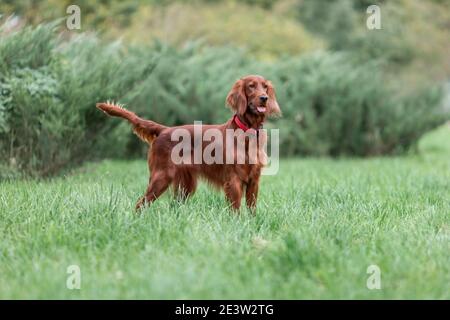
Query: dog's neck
[{"x": 248, "y": 121}]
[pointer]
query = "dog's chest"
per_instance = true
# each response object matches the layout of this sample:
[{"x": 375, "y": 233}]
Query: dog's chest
[{"x": 248, "y": 172}]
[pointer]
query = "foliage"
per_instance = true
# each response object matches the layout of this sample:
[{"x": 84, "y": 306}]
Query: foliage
[
  {"x": 99, "y": 14},
  {"x": 333, "y": 104},
  {"x": 414, "y": 47},
  {"x": 265, "y": 34},
  {"x": 47, "y": 94}
]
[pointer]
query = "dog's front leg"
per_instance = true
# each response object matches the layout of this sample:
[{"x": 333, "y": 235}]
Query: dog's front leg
[
  {"x": 233, "y": 192},
  {"x": 251, "y": 194}
]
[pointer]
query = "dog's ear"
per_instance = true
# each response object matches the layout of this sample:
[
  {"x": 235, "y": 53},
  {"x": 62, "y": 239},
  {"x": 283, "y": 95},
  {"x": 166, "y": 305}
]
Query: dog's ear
[
  {"x": 272, "y": 104},
  {"x": 236, "y": 98}
]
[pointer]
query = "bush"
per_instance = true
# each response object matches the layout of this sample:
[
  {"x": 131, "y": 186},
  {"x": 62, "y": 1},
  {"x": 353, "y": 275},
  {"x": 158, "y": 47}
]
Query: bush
[
  {"x": 48, "y": 90},
  {"x": 332, "y": 104}
]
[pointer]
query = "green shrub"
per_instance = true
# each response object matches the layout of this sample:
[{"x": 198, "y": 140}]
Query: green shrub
[
  {"x": 332, "y": 103},
  {"x": 48, "y": 90}
]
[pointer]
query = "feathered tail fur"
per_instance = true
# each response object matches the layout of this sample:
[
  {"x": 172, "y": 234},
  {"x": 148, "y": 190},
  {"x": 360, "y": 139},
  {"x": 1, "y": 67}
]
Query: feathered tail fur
[{"x": 145, "y": 129}]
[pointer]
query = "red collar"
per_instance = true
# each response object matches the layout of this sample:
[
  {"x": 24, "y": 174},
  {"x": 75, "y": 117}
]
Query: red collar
[{"x": 240, "y": 124}]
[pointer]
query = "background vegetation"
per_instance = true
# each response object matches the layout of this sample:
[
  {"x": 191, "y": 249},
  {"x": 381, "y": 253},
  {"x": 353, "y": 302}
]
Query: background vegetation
[
  {"x": 346, "y": 93},
  {"x": 344, "y": 90}
]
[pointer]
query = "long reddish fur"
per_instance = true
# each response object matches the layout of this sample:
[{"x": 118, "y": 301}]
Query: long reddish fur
[
  {"x": 235, "y": 179},
  {"x": 145, "y": 129}
]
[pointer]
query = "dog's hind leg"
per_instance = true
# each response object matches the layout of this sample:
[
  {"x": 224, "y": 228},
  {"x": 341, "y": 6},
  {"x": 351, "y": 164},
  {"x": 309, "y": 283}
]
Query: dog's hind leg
[
  {"x": 184, "y": 184},
  {"x": 159, "y": 182}
]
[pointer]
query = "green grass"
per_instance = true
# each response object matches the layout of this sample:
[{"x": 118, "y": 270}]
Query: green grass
[{"x": 320, "y": 224}]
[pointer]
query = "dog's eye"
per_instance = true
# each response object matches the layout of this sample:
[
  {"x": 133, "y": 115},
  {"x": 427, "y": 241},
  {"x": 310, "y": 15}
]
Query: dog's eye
[
  {"x": 251, "y": 85},
  {"x": 265, "y": 86}
]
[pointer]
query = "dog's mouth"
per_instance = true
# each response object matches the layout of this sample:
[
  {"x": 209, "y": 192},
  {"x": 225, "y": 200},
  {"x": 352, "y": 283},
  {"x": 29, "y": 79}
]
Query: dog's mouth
[{"x": 258, "y": 109}]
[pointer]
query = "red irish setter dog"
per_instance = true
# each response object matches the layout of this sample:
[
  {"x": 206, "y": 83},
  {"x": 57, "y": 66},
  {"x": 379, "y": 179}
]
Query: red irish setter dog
[{"x": 252, "y": 98}]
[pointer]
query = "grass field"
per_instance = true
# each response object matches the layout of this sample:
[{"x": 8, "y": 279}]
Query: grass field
[{"x": 320, "y": 224}]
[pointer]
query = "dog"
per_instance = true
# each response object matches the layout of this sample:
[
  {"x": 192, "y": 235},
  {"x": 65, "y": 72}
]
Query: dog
[{"x": 252, "y": 98}]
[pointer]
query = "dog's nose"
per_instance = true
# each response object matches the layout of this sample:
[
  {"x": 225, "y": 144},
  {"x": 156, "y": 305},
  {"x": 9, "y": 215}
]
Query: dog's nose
[{"x": 263, "y": 98}]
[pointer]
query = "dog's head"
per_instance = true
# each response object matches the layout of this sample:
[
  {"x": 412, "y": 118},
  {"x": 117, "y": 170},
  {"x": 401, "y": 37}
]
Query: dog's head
[{"x": 253, "y": 94}]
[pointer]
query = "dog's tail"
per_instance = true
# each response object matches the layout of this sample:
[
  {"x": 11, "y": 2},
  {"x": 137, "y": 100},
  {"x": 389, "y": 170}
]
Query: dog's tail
[{"x": 145, "y": 129}]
